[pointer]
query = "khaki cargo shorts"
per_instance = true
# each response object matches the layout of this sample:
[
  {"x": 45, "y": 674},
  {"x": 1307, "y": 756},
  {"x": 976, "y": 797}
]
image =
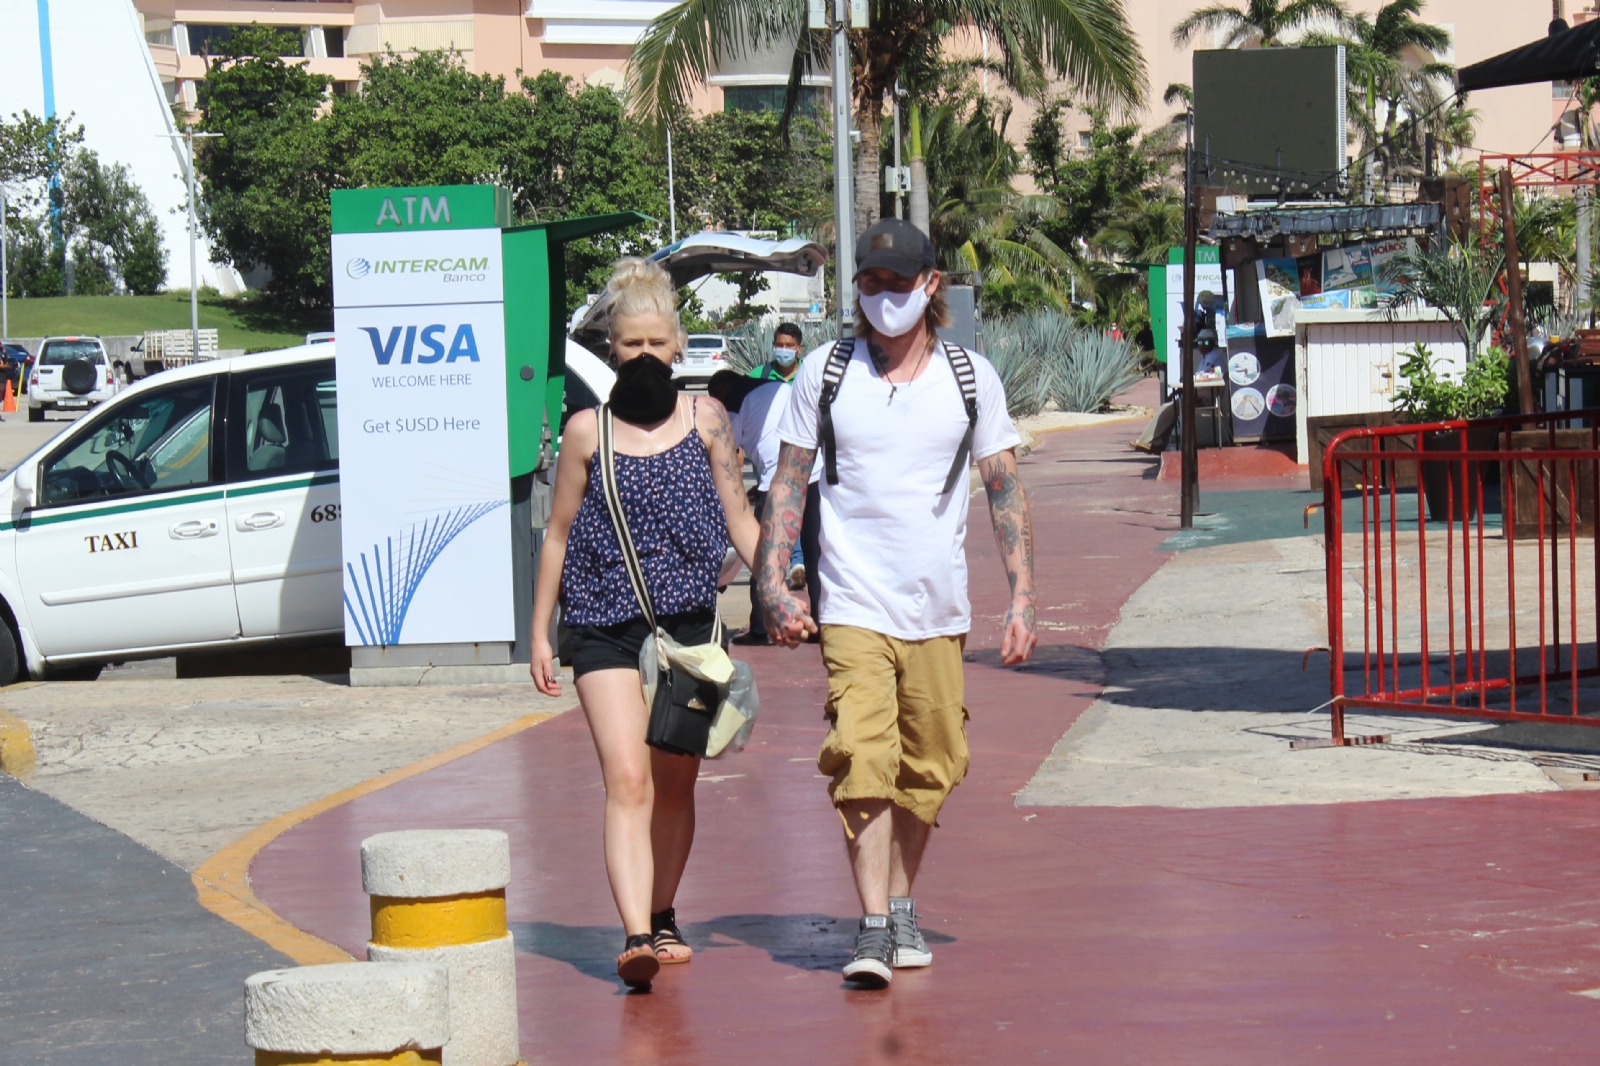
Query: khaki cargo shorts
[{"x": 897, "y": 717}]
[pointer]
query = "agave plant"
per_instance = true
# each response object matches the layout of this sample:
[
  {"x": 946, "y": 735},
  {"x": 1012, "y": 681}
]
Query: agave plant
[
  {"x": 1010, "y": 349},
  {"x": 1096, "y": 367},
  {"x": 750, "y": 345}
]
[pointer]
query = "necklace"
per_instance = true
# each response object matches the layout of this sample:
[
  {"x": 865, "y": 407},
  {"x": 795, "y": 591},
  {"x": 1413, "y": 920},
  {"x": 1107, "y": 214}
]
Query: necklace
[{"x": 894, "y": 386}]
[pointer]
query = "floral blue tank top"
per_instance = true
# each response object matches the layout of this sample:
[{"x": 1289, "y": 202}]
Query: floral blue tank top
[{"x": 678, "y": 527}]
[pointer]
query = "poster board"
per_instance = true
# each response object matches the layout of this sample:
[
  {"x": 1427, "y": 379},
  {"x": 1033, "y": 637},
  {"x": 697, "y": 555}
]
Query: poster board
[
  {"x": 420, "y": 353},
  {"x": 1262, "y": 390}
]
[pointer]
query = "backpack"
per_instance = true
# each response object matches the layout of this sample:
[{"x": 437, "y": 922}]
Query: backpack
[{"x": 833, "y": 376}]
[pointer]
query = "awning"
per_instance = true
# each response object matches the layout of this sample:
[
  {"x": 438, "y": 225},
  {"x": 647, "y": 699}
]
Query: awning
[
  {"x": 1341, "y": 218},
  {"x": 1568, "y": 55}
]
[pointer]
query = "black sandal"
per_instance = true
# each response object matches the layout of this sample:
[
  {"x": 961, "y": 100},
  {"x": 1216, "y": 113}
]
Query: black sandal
[
  {"x": 666, "y": 935},
  {"x": 638, "y": 965}
]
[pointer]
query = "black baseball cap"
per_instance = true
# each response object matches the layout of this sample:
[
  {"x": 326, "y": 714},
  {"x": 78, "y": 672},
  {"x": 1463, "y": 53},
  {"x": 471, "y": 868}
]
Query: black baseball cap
[{"x": 895, "y": 244}]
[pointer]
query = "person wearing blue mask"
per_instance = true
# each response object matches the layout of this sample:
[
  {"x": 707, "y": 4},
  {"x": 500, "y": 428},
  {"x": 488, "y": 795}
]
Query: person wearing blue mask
[{"x": 786, "y": 341}]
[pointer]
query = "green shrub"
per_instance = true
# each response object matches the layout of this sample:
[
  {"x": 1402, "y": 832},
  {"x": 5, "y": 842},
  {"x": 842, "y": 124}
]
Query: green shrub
[{"x": 1428, "y": 397}]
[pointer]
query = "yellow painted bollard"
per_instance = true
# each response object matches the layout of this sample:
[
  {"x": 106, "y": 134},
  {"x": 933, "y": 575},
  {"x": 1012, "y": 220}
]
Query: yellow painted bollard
[
  {"x": 396, "y": 1014},
  {"x": 439, "y": 895}
]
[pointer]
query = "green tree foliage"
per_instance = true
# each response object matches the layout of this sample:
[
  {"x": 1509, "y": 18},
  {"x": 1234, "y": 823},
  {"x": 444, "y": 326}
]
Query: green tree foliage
[
  {"x": 1087, "y": 42},
  {"x": 93, "y": 216},
  {"x": 267, "y": 177},
  {"x": 424, "y": 119},
  {"x": 1259, "y": 22}
]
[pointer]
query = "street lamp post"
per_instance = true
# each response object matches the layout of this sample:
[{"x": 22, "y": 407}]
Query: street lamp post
[
  {"x": 5, "y": 278},
  {"x": 844, "y": 209},
  {"x": 188, "y": 136}
]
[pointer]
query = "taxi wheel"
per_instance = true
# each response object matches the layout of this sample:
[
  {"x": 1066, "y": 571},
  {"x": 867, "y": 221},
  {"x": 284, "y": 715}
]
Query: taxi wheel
[{"x": 10, "y": 660}]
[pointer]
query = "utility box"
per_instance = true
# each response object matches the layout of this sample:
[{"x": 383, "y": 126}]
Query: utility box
[{"x": 966, "y": 311}]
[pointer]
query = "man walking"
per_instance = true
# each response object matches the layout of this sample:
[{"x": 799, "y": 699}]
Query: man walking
[
  {"x": 786, "y": 342},
  {"x": 899, "y": 417}
]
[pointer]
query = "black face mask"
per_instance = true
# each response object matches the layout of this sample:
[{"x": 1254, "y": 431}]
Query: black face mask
[{"x": 644, "y": 392}]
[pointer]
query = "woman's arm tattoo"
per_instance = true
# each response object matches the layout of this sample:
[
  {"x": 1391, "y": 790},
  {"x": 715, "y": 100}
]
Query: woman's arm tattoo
[{"x": 1013, "y": 524}]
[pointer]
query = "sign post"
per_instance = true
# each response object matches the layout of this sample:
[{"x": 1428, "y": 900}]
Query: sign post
[{"x": 423, "y": 435}]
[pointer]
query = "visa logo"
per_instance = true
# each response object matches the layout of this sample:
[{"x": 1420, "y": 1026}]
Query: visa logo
[{"x": 404, "y": 340}]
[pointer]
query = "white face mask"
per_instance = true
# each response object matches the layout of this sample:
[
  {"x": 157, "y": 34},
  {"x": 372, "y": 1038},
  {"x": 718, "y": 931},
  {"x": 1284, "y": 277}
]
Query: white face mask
[
  {"x": 784, "y": 356},
  {"x": 896, "y": 313}
]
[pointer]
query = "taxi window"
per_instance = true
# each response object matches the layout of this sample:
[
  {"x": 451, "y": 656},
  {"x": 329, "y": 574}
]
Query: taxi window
[
  {"x": 158, "y": 443},
  {"x": 290, "y": 422}
]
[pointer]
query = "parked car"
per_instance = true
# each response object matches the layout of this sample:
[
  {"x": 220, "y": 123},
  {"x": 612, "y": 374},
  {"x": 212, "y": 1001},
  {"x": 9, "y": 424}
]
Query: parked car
[
  {"x": 71, "y": 373},
  {"x": 705, "y": 354},
  {"x": 13, "y": 357},
  {"x": 154, "y": 526},
  {"x": 319, "y": 338}
]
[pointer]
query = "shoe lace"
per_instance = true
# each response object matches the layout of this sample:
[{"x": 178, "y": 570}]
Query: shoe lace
[{"x": 877, "y": 943}]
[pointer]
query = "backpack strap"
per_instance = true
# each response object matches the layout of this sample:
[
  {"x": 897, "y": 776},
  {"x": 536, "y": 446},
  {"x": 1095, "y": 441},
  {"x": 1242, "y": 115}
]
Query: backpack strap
[
  {"x": 961, "y": 365},
  {"x": 832, "y": 377},
  {"x": 619, "y": 519}
]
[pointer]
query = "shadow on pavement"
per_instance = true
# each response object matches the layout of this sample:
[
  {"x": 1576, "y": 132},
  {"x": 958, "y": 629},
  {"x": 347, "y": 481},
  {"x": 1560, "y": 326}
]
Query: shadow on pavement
[{"x": 804, "y": 941}]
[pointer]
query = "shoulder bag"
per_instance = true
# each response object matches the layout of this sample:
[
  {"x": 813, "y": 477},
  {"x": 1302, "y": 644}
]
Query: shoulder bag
[{"x": 701, "y": 701}]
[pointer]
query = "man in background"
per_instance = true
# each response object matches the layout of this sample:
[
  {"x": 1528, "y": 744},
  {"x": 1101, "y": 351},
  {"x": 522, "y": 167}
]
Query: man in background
[{"x": 785, "y": 360}]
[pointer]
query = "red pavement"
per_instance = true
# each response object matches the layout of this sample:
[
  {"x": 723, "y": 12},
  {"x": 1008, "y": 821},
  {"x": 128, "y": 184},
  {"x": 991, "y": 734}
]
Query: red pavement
[{"x": 1403, "y": 932}]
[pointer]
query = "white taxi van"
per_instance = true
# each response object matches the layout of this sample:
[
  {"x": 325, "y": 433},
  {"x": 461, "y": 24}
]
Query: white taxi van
[{"x": 198, "y": 508}]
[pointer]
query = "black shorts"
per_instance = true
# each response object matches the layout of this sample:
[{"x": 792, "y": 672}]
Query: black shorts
[{"x": 616, "y": 647}]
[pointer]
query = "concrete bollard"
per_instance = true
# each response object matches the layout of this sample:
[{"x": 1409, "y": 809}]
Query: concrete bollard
[
  {"x": 439, "y": 895},
  {"x": 390, "y": 1013}
]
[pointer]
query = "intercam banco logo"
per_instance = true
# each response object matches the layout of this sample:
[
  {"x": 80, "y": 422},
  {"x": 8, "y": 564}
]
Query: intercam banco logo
[{"x": 451, "y": 268}]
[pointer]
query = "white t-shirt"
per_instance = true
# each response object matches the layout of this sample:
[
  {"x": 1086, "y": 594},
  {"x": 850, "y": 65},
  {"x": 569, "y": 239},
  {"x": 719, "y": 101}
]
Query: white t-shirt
[
  {"x": 756, "y": 430},
  {"x": 893, "y": 549}
]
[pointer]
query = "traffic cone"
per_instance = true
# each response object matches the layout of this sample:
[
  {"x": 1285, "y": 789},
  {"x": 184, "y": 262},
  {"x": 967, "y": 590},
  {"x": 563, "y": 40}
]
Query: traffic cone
[{"x": 9, "y": 405}]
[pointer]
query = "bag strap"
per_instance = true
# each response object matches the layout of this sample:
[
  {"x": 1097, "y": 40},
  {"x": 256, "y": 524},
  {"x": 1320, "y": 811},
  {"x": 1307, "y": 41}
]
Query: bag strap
[
  {"x": 619, "y": 519},
  {"x": 961, "y": 365},
  {"x": 832, "y": 377}
]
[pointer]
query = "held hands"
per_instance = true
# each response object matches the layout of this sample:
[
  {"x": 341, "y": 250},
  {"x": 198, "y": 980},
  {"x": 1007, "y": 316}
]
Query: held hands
[
  {"x": 1016, "y": 647},
  {"x": 543, "y": 669},
  {"x": 789, "y": 620}
]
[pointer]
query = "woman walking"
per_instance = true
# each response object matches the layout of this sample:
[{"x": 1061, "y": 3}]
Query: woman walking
[{"x": 683, "y": 496}]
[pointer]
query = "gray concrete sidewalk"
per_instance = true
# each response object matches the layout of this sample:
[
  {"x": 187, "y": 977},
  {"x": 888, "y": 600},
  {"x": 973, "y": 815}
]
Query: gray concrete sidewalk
[
  {"x": 1205, "y": 690},
  {"x": 105, "y": 957},
  {"x": 186, "y": 767}
]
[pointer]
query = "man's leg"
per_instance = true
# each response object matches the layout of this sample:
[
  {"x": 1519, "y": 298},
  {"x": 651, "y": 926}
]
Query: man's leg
[
  {"x": 871, "y": 850},
  {"x": 811, "y": 546},
  {"x": 1158, "y": 430},
  {"x": 861, "y": 754},
  {"x": 910, "y": 836},
  {"x": 757, "y": 633},
  {"x": 933, "y": 760}
]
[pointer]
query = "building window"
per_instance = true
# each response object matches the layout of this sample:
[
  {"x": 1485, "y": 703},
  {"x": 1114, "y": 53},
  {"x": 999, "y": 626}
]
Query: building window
[
  {"x": 334, "y": 36},
  {"x": 770, "y": 98},
  {"x": 158, "y": 31},
  {"x": 1085, "y": 140}
]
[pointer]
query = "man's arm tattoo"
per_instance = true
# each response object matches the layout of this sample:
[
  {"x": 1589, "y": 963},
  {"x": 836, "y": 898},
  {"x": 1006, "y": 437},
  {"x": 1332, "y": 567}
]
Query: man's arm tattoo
[
  {"x": 780, "y": 521},
  {"x": 1013, "y": 524}
]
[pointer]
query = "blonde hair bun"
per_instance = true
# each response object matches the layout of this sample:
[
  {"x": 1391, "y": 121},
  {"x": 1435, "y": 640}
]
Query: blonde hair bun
[{"x": 640, "y": 287}]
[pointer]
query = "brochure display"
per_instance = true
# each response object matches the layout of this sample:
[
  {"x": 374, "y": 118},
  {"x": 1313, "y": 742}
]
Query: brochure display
[{"x": 421, "y": 359}]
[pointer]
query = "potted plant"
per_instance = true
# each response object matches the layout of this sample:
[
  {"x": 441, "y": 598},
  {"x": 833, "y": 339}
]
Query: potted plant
[{"x": 1427, "y": 396}]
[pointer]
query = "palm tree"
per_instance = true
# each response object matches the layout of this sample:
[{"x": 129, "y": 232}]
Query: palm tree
[
  {"x": 1088, "y": 42},
  {"x": 1260, "y": 22},
  {"x": 1389, "y": 59}
]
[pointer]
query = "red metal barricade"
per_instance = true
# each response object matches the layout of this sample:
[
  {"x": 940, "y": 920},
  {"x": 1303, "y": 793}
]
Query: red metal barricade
[{"x": 1484, "y": 604}]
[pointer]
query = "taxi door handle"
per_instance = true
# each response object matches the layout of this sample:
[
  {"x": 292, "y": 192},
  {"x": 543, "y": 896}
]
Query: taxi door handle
[
  {"x": 249, "y": 523},
  {"x": 194, "y": 529}
]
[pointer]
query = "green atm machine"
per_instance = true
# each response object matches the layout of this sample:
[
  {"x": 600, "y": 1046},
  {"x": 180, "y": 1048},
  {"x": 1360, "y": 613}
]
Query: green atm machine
[{"x": 450, "y": 326}]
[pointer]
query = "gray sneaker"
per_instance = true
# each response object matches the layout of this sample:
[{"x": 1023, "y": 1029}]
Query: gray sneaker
[
  {"x": 870, "y": 967},
  {"x": 910, "y": 950}
]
